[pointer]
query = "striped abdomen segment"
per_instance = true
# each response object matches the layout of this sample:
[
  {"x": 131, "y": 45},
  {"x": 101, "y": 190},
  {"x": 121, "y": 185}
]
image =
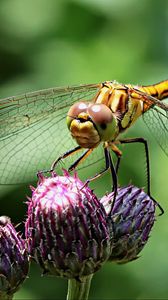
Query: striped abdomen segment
[{"x": 158, "y": 90}]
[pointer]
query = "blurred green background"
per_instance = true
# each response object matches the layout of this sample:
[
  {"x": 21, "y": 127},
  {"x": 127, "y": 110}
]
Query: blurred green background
[{"x": 46, "y": 43}]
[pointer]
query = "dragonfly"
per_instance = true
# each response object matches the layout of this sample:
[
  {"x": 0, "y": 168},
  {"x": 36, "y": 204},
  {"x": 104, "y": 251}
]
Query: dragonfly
[{"x": 34, "y": 127}]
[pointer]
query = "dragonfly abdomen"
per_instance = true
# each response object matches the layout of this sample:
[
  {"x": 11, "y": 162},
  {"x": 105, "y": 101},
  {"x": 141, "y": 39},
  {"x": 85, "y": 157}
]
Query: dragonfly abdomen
[{"x": 158, "y": 90}]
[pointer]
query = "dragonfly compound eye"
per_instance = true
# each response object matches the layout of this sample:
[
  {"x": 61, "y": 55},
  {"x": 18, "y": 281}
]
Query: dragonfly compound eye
[
  {"x": 100, "y": 114},
  {"x": 104, "y": 120},
  {"x": 75, "y": 110}
]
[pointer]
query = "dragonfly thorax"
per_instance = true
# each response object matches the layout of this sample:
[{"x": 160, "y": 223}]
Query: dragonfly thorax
[{"x": 91, "y": 123}]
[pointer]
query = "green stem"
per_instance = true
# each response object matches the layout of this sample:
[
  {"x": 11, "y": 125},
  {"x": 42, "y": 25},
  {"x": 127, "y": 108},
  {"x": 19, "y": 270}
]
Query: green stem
[{"x": 79, "y": 289}]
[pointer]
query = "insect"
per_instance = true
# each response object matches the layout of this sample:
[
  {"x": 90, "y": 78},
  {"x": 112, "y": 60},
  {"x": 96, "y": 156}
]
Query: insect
[{"x": 33, "y": 131}]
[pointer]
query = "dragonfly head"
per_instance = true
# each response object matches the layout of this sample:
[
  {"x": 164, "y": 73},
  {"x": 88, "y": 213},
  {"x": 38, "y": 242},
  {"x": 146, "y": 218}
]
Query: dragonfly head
[{"x": 91, "y": 123}]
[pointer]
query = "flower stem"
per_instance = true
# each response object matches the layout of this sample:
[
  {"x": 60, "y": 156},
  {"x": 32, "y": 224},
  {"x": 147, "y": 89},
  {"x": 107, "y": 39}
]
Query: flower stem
[{"x": 79, "y": 289}]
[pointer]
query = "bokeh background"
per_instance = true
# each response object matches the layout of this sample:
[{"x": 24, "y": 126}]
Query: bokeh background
[{"x": 46, "y": 43}]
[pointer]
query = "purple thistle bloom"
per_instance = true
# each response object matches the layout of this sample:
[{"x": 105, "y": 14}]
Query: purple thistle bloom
[
  {"x": 14, "y": 262},
  {"x": 133, "y": 216},
  {"x": 66, "y": 227}
]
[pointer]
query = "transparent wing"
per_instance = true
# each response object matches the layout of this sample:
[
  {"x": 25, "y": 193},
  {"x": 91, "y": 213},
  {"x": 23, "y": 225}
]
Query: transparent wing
[
  {"x": 156, "y": 117},
  {"x": 156, "y": 120},
  {"x": 33, "y": 131},
  {"x": 17, "y": 113}
]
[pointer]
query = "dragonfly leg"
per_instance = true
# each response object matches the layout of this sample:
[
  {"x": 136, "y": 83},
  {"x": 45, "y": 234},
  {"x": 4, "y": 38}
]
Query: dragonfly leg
[
  {"x": 114, "y": 178},
  {"x": 54, "y": 164},
  {"x": 109, "y": 165},
  {"x": 115, "y": 171},
  {"x": 96, "y": 176},
  {"x": 144, "y": 142},
  {"x": 106, "y": 152},
  {"x": 118, "y": 153},
  {"x": 117, "y": 164},
  {"x": 66, "y": 154},
  {"x": 108, "y": 161},
  {"x": 80, "y": 159}
]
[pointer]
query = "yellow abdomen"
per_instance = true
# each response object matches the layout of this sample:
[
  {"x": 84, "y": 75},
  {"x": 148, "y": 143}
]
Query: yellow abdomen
[{"x": 158, "y": 90}]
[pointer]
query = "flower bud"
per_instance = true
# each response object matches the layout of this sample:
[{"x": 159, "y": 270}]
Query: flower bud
[
  {"x": 14, "y": 264},
  {"x": 66, "y": 227},
  {"x": 133, "y": 216}
]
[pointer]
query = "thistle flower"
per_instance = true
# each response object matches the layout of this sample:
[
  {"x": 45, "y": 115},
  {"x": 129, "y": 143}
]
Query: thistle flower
[
  {"x": 14, "y": 264},
  {"x": 133, "y": 216},
  {"x": 66, "y": 227}
]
